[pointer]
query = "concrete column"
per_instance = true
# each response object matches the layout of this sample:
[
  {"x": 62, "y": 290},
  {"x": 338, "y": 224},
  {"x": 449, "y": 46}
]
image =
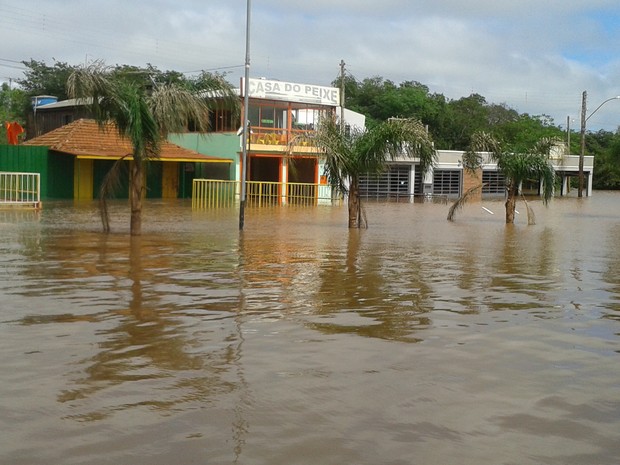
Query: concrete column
[
  {"x": 283, "y": 179},
  {"x": 412, "y": 182},
  {"x": 564, "y": 188}
]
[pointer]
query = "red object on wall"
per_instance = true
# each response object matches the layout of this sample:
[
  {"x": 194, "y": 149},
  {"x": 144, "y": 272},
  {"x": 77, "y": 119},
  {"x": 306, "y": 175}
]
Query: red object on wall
[{"x": 13, "y": 130}]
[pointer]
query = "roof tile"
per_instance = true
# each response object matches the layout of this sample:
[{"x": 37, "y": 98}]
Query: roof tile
[{"x": 85, "y": 138}]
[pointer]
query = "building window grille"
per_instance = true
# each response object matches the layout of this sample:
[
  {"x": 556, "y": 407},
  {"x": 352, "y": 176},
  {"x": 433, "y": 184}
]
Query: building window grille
[
  {"x": 493, "y": 182},
  {"x": 393, "y": 183},
  {"x": 447, "y": 182}
]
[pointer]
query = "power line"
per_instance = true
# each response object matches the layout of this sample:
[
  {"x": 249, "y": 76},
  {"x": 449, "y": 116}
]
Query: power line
[
  {"x": 11, "y": 61},
  {"x": 49, "y": 26},
  {"x": 13, "y": 67},
  {"x": 220, "y": 68}
]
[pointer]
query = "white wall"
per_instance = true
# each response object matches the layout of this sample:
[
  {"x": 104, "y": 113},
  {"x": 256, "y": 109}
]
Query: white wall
[{"x": 352, "y": 118}]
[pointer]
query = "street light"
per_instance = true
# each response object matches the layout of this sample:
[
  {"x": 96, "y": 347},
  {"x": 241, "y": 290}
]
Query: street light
[
  {"x": 584, "y": 119},
  {"x": 246, "y": 129}
]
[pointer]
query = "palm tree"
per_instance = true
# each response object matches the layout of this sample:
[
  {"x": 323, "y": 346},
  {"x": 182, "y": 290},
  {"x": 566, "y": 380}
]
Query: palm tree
[
  {"x": 353, "y": 153},
  {"x": 143, "y": 112},
  {"x": 516, "y": 166}
]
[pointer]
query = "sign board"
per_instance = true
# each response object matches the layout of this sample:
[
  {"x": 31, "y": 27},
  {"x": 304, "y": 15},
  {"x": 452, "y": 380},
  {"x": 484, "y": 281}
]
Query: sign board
[{"x": 293, "y": 92}]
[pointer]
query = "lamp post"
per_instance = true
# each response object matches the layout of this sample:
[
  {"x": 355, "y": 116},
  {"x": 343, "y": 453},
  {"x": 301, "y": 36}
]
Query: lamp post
[
  {"x": 246, "y": 129},
  {"x": 584, "y": 119}
]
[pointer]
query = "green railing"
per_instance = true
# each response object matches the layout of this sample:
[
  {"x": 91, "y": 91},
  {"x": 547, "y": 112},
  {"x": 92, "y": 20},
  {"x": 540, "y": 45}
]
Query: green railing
[
  {"x": 212, "y": 193},
  {"x": 20, "y": 189}
]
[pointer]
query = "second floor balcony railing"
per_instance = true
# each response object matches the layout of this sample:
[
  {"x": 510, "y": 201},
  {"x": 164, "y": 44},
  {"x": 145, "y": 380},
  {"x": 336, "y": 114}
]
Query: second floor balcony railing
[{"x": 277, "y": 137}]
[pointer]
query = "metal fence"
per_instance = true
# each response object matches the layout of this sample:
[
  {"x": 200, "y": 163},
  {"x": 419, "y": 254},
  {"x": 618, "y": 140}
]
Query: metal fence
[
  {"x": 20, "y": 189},
  {"x": 212, "y": 193}
]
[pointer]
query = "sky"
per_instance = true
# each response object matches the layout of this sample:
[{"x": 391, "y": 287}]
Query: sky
[{"x": 536, "y": 56}]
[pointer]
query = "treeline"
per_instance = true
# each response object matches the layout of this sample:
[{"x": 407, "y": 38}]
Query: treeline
[
  {"x": 41, "y": 79},
  {"x": 451, "y": 122}
]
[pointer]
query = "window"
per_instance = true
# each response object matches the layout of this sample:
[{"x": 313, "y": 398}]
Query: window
[
  {"x": 268, "y": 114},
  {"x": 447, "y": 182},
  {"x": 493, "y": 182},
  {"x": 222, "y": 120},
  {"x": 267, "y": 117},
  {"x": 393, "y": 183}
]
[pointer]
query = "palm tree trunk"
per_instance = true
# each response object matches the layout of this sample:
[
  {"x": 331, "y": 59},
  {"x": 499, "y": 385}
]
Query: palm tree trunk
[
  {"x": 136, "y": 186},
  {"x": 354, "y": 204},
  {"x": 511, "y": 204}
]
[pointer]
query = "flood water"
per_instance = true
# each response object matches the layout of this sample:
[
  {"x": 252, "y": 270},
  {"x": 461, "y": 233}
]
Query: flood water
[{"x": 417, "y": 341}]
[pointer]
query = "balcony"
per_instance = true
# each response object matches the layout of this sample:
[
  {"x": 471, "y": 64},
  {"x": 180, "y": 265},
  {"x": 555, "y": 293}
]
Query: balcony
[{"x": 277, "y": 140}]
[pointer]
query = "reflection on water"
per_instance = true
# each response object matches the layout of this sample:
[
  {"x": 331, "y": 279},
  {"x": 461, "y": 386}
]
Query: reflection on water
[{"x": 299, "y": 341}]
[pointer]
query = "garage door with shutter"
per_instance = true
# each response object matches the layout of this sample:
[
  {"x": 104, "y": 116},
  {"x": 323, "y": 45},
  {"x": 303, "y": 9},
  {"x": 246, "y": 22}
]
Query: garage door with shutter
[
  {"x": 392, "y": 183},
  {"x": 447, "y": 182}
]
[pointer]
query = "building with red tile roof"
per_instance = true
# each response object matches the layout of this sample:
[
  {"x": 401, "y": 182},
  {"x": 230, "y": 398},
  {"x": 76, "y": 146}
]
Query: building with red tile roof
[{"x": 95, "y": 148}]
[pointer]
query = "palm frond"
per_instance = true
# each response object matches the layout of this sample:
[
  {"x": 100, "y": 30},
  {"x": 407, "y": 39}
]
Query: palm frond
[
  {"x": 542, "y": 168},
  {"x": 121, "y": 101},
  {"x": 481, "y": 142},
  {"x": 394, "y": 138},
  {"x": 362, "y": 220},
  {"x": 546, "y": 145},
  {"x": 461, "y": 201},
  {"x": 175, "y": 108},
  {"x": 214, "y": 86},
  {"x": 89, "y": 83},
  {"x": 337, "y": 148},
  {"x": 531, "y": 218}
]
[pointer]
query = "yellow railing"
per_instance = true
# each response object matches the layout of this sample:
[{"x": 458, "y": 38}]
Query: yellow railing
[
  {"x": 211, "y": 193},
  {"x": 302, "y": 194},
  {"x": 262, "y": 194},
  {"x": 277, "y": 136}
]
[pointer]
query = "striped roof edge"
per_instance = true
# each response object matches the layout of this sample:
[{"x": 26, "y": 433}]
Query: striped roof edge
[{"x": 84, "y": 138}]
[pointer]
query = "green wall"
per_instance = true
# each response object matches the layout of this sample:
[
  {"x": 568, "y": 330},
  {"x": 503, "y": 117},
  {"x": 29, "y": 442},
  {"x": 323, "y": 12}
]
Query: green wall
[
  {"x": 217, "y": 144},
  {"x": 56, "y": 170}
]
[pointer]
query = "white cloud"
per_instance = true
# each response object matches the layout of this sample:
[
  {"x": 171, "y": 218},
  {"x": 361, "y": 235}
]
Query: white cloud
[{"x": 534, "y": 56}]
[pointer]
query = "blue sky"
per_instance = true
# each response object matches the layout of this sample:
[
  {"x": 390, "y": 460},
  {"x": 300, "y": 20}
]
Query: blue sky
[{"x": 536, "y": 56}]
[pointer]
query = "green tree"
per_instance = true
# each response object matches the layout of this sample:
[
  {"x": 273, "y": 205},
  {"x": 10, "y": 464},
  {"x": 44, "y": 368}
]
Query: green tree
[
  {"x": 12, "y": 101},
  {"x": 468, "y": 115},
  {"x": 500, "y": 114},
  {"x": 606, "y": 147},
  {"x": 524, "y": 131},
  {"x": 381, "y": 99},
  {"x": 41, "y": 79},
  {"x": 150, "y": 73},
  {"x": 517, "y": 167},
  {"x": 143, "y": 114},
  {"x": 351, "y": 154}
]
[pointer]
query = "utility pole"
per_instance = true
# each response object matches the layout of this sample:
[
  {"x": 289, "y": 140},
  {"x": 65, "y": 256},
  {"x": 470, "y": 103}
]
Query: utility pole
[
  {"x": 342, "y": 74},
  {"x": 568, "y": 135},
  {"x": 583, "y": 141},
  {"x": 246, "y": 128},
  {"x": 10, "y": 95},
  {"x": 584, "y": 119}
]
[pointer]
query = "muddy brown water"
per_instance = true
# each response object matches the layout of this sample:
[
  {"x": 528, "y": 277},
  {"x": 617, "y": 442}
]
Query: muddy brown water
[{"x": 417, "y": 341}]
